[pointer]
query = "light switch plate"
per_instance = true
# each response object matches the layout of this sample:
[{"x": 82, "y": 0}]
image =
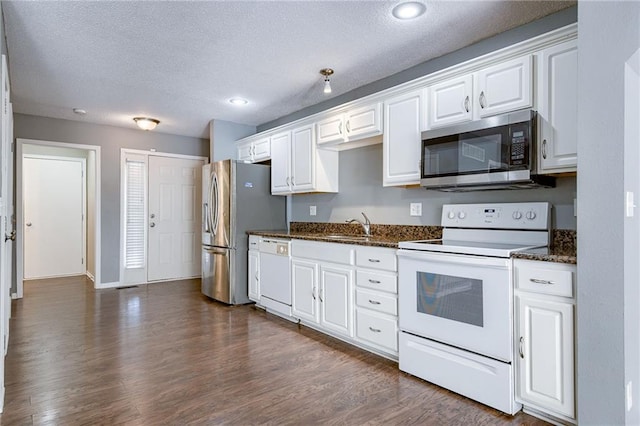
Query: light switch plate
[
  {"x": 415, "y": 209},
  {"x": 312, "y": 210}
]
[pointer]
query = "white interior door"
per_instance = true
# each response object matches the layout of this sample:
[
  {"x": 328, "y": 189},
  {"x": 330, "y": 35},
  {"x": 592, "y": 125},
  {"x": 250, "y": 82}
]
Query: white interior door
[
  {"x": 174, "y": 218},
  {"x": 53, "y": 197}
]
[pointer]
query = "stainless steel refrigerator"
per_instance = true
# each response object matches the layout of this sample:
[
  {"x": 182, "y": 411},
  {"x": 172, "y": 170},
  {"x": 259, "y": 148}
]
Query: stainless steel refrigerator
[{"x": 236, "y": 197}]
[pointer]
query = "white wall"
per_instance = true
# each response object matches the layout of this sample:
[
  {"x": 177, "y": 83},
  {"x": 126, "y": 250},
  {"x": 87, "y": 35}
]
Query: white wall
[
  {"x": 608, "y": 35},
  {"x": 361, "y": 190}
]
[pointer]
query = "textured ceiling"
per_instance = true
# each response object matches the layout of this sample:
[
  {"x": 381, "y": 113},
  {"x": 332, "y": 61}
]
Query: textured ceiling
[{"x": 181, "y": 61}]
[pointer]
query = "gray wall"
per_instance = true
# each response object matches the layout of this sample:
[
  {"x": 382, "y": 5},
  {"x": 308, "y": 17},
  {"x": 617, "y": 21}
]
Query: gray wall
[
  {"x": 111, "y": 140},
  {"x": 507, "y": 38},
  {"x": 361, "y": 190},
  {"x": 223, "y": 135},
  {"x": 608, "y": 37}
]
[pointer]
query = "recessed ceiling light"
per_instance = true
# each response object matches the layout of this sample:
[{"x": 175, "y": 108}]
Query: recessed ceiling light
[
  {"x": 409, "y": 10},
  {"x": 79, "y": 111},
  {"x": 238, "y": 101}
]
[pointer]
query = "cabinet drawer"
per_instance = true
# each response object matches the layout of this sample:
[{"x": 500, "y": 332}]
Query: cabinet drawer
[
  {"x": 377, "y": 281},
  {"x": 377, "y": 329},
  {"x": 377, "y": 301},
  {"x": 555, "y": 280},
  {"x": 376, "y": 258}
]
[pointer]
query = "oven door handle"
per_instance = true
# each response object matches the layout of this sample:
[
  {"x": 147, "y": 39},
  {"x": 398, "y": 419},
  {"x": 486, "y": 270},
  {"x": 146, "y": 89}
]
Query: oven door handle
[{"x": 463, "y": 260}]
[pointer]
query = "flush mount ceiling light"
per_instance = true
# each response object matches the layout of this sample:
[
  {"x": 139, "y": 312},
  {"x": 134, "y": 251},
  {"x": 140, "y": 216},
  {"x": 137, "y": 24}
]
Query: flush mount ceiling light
[
  {"x": 326, "y": 72},
  {"x": 146, "y": 123},
  {"x": 409, "y": 10},
  {"x": 79, "y": 111},
  {"x": 238, "y": 101}
]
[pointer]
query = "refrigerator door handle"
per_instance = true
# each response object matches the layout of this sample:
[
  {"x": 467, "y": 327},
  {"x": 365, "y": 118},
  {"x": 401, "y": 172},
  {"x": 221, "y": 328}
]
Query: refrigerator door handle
[
  {"x": 216, "y": 250},
  {"x": 215, "y": 197},
  {"x": 205, "y": 215}
]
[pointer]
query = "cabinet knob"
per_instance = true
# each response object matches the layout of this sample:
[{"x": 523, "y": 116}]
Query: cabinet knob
[
  {"x": 348, "y": 127},
  {"x": 544, "y": 149},
  {"x": 482, "y": 100},
  {"x": 466, "y": 103},
  {"x": 520, "y": 347}
]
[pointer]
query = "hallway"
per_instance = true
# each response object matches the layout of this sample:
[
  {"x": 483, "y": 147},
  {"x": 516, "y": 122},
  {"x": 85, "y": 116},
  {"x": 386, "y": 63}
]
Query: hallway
[{"x": 165, "y": 354}]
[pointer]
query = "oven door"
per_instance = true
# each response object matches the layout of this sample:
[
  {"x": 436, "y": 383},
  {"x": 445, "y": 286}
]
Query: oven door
[{"x": 463, "y": 301}]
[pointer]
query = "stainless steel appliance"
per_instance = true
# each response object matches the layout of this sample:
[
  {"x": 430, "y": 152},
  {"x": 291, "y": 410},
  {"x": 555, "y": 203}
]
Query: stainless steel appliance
[
  {"x": 456, "y": 299},
  {"x": 275, "y": 276},
  {"x": 494, "y": 153},
  {"x": 236, "y": 198}
]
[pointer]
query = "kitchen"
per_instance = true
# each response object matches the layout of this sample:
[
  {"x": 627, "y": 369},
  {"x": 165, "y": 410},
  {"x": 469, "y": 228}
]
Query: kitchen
[{"x": 594, "y": 190}]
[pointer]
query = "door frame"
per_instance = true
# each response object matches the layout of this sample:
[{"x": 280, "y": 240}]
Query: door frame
[
  {"x": 124, "y": 153},
  {"x": 83, "y": 162},
  {"x": 19, "y": 293}
]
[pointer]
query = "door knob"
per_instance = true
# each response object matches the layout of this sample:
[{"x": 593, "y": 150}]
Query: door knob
[
  {"x": 11, "y": 236},
  {"x": 28, "y": 223},
  {"x": 152, "y": 224}
]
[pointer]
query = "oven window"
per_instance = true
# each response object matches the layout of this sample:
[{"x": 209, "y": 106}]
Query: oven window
[{"x": 446, "y": 296}]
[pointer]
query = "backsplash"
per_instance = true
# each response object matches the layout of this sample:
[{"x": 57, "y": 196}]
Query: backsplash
[{"x": 398, "y": 232}]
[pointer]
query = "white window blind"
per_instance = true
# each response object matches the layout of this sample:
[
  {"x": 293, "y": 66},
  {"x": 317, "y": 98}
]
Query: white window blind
[{"x": 135, "y": 253}]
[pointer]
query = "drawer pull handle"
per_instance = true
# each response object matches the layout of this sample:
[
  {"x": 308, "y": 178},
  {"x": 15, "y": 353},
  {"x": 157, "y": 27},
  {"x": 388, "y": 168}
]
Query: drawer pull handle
[
  {"x": 538, "y": 281},
  {"x": 374, "y": 281},
  {"x": 374, "y": 260},
  {"x": 375, "y": 330},
  {"x": 520, "y": 347},
  {"x": 374, "y": 302}
]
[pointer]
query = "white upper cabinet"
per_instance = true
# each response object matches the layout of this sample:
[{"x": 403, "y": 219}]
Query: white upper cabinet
[
  {"x": 557, "y": 108},
  {"x": 356, "y": 123},
  {"x": 402, "y": 138},
  {"x": 253, "y": 149},
  {"x": 298, "y": 167},
  {"x": 281, "y": 163},
  {"x": 303, "y": 149},
  {"x": 450, "y": 101},
  {"x": 504, "y": 87},
  {"x": 499, "y": 88}
]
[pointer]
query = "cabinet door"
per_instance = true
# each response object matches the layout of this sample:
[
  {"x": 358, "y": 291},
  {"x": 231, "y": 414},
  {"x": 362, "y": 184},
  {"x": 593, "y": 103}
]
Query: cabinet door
[
  {"x": 450, "y": 101},
  {"x": 244, "y": 150},
  {"x": 557, "y": 108},
  {"x": 280, "y": 165},
  {"x": 305, "y": 289},
  {"x": 544, "y": 359},
  {"x": 262, "y": 149},
  {"x": 253, "y": 275},
  {"x": 331, "y": 130},
  {"x": 302, "y": 158},
  {"x": 364, "y": 122},
  {"x": 504, "y": 87},
  {"x": 402, "y": 138},
  {"x": 336, "y": 310}
]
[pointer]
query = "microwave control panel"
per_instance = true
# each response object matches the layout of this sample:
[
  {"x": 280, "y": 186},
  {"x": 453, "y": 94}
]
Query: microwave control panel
[{"x": 520, "y": 137}]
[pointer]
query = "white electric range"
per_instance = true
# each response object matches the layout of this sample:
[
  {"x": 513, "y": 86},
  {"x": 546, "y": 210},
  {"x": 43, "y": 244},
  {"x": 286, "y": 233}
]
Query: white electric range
[{"x": 456, "y": 298}]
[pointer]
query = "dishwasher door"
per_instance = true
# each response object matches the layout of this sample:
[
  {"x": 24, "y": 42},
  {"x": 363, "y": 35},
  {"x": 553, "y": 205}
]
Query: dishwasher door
[{"x": 275, "y": 276}]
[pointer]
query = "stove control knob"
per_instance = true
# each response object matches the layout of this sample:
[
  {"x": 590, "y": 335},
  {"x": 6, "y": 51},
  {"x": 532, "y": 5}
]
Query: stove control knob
[
  {"x": 451, "y": 215},
  {"x": 531, "y": 215},
  {"x": 517, "y": 215},
  {"x": 462, "y": 215}
]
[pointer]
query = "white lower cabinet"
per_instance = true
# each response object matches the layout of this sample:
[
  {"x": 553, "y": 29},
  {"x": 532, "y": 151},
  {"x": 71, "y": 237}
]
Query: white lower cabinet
[
  {"x": 347, "y": 291},
  {"x": 336, "y": 287},
  {"x": 253, "y": 269},
  {"x": 545, "y": 315}
]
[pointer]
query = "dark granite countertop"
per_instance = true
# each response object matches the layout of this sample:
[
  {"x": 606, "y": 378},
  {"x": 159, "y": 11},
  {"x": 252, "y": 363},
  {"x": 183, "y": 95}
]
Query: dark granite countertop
[{"x": 562, "y": 250}]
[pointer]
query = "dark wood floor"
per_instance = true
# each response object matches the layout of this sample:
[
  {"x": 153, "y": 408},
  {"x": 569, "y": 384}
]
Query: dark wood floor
[{"x": 165, "y": 354}]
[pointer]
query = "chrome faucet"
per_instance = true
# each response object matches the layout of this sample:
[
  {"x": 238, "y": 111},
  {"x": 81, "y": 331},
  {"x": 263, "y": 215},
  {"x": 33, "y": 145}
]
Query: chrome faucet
[{"x": 366, "y": 225}]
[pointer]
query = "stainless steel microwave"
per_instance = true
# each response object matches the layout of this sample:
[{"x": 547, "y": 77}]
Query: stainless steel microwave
[{"x": 494, "y": 153}]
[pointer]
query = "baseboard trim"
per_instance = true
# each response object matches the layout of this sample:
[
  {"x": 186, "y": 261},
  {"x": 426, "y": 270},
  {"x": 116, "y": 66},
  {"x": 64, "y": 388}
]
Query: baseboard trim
[
  {"x": 102, "y": 286},
  {"x": 2, "y": 397}
]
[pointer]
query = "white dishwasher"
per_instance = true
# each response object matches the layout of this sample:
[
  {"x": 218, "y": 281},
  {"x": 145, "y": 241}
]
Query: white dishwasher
[{"x": 275, "y": 276}]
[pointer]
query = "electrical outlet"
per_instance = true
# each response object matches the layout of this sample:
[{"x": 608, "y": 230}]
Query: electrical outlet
[
  {"x": 415, "y": 209},
  {"x": 312, "y": 210}
]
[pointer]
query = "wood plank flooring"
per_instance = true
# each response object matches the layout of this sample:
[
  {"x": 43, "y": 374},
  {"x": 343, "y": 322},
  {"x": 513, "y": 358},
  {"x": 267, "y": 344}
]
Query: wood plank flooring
[{"x": 164, "y": 354}]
